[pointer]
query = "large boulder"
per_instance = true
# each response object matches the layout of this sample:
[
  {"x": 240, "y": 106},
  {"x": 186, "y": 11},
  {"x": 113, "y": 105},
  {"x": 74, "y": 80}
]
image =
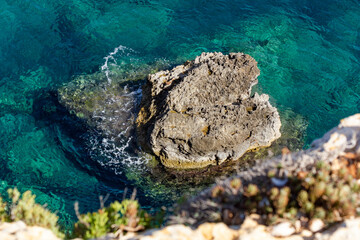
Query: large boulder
[{"x": 202, "y": 112}]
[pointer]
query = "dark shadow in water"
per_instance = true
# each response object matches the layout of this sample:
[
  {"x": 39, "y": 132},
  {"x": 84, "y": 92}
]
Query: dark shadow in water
[{"x": 67, "y": 126}]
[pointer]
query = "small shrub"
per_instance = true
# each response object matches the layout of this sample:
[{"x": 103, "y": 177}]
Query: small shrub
[
  {"x": 329, "y": 191},
  {"x": 3, "y": 214},
  {"x": 24, "y": 208},
  {"x": 119, "y": 217}
]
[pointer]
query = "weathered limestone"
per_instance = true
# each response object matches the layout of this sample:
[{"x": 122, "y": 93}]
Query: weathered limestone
[
  {"x": 202, "y": 112},
  {"x": 19, "y": 231},
  {"x": 251, "y": 229},
  {"x": 340, "y": 141}
]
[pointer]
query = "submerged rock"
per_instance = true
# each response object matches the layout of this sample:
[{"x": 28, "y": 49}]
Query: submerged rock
[
  {"x": 109, "y": 107},
  {"x": 202, "y": 112},
  {"x": 107, "y": 100}
]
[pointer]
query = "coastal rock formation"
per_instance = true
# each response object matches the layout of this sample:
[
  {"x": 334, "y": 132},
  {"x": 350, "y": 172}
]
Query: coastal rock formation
[
  {"x": 107, "y": 100},
  {"x": 341, "y": 142},
  {"x": 202, "y": 112},
  {"x": 108, "y": 107},
  {"x": 251, "y": 229},
  {"x": 339, "y": 148}
]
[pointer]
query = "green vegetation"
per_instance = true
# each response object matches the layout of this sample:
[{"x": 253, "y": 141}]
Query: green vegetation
[
  {"x": 118, "y": 218},
  {"x": 327, "y": 191},
  {"x": 24, "y": 208}
]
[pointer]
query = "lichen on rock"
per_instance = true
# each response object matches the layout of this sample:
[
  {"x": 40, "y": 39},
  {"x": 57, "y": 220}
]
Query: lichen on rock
[{"x": 202, "y": 112}]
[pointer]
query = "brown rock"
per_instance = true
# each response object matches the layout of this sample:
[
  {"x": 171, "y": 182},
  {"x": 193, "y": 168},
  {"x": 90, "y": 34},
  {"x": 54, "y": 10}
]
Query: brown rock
[
  {"x": 339, "y": 140},
  {"x": 202, "y": 112}
]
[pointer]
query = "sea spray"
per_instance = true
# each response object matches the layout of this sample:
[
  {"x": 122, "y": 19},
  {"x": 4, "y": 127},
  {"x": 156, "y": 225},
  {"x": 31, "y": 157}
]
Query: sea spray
[{"x": 111, "y": 59}]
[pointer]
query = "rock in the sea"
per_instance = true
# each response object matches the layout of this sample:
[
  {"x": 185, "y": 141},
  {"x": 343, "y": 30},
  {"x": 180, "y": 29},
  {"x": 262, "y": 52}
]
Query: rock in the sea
[
  {"x": 108, "y": 107},
  {"x": 108, "y": 104},
  {"x": 202, "y": 112}
]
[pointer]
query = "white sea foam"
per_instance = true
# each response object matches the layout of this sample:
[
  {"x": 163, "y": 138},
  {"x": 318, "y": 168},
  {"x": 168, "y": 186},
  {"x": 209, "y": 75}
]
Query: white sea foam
[
  {"x": 110, "y": 59},
  {"x": 113, "y": 146},
  {"x": 115, "y": 154}
]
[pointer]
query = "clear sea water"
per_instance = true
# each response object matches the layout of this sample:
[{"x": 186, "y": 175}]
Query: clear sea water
[{"x": 308, "y": 53}]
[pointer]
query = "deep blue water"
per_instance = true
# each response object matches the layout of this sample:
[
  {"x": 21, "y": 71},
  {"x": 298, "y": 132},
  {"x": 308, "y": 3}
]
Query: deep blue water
[{"x": 308, "y": 53}]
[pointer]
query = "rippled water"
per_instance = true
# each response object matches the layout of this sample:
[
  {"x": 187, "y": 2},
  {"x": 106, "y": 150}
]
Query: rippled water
[{"x": 308, "y": 54}]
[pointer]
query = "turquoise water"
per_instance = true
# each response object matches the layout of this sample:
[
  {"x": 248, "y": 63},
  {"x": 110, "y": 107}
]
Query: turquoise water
[{"x": 308, "y": 54}]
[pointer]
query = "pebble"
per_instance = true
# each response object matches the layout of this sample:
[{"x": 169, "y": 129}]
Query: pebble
[
  {"x": 283, "y": 229},
  {"x": 316, "y": 225}
]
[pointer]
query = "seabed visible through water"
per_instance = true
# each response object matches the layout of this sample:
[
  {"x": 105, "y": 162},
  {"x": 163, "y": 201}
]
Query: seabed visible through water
[{"x": 308, "y": 53}]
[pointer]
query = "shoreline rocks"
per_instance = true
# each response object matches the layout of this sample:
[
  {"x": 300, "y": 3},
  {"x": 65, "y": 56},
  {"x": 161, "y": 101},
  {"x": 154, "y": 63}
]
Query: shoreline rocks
[
  {"x": 341, "y": 144},
  {"x": 343, "y": 140},
  {"x": 202, "y": 113},
  {"x": 251, "y": 229}
]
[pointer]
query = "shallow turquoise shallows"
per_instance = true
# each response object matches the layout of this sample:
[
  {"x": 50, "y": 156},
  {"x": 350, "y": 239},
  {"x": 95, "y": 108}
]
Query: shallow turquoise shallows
[{"x": 308, "y": 53}]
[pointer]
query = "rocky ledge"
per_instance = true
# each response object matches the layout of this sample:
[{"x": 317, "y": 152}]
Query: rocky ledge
[
  {"x": 308, "y": 195},
  {"x": 251, "y": 229},
  {"x": 288, "y": 185},
  {"x": 202, "y": 112}
]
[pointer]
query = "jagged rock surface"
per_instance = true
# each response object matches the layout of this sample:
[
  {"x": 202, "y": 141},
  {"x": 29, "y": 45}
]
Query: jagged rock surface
[
  {"x": 202, "y": 112},
  {"x": 343, "y": 139}
]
